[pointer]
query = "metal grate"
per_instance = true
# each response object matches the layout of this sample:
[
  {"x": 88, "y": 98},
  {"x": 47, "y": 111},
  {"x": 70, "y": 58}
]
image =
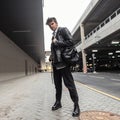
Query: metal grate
[{"x": 98, "y": 115}]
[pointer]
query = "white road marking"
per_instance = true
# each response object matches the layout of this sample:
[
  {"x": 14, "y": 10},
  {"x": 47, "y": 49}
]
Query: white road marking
[
  {"x": 116, "y": 80},
  {"x": 83, "y": 75},
  {"x": 97, "y": 77}
]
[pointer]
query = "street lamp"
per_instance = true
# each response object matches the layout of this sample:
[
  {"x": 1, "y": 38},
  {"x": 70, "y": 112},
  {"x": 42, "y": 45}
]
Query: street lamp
[{"x": 93, "y": 58}]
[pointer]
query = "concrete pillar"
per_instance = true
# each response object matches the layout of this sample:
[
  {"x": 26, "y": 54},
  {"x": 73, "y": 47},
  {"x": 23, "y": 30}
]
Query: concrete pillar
[{"x": 83, "y": 51}]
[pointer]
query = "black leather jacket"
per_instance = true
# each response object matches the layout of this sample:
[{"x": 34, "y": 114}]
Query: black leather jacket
[{"x": 64, "y": 39}]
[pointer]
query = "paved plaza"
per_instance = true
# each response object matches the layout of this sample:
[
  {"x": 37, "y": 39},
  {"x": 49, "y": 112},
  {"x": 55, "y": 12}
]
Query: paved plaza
[{"x": 31, "y": 98}]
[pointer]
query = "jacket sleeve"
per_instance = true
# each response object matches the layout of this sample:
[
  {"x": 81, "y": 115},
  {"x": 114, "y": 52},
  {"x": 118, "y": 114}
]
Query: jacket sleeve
[{"x": 65, "y": 38}]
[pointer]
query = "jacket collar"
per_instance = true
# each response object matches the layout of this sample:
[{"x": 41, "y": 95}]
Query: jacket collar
[{"x": 55, "y": 32}]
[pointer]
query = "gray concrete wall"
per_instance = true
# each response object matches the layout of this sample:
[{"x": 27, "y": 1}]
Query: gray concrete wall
[
  {"x": 14, "y": 62},
  {"x": 106, "y": 30}
]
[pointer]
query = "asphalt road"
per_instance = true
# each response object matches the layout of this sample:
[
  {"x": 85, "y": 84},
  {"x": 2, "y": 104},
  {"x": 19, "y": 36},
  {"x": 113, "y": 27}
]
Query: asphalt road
[{"x": 105, "y": 82}]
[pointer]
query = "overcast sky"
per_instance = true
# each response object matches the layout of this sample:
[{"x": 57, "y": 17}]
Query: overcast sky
[{"x": 67, "y": 13}]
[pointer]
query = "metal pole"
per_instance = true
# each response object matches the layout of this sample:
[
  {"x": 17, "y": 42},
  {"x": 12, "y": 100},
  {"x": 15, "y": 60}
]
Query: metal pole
[{"x": 93, "y": 55}]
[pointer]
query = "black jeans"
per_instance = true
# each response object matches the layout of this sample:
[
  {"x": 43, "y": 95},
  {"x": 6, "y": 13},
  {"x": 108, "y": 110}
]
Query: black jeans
[{"x": 65, "y": 73}]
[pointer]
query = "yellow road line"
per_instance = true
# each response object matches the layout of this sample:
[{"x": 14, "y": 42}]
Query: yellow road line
[{"x": 116, "y": 98}]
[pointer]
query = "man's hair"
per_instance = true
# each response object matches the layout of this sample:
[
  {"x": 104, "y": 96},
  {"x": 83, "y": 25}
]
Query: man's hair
[{"x": 50, "y": 20}]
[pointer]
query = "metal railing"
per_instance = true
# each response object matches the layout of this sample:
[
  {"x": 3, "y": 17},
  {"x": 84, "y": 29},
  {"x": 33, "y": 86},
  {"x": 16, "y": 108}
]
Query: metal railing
[{"x": 107, "y": 20}]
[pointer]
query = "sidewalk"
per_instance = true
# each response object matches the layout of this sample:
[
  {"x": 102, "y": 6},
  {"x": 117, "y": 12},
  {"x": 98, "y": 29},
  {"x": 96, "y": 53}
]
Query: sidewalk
[{"x": 31, "y": 98}]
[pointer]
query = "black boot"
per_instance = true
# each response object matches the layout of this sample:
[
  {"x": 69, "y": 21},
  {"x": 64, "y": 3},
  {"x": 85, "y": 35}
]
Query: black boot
[
  {"x": 56, "y": 106},
  {"x": 76, "y": 111}
]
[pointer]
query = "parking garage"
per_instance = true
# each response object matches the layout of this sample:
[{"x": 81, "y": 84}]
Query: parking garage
[{"x": 97, "y": 36}]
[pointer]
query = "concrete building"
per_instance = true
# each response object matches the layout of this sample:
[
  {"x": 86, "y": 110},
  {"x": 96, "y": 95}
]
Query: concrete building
[
  {"x": 97, "y": 36},
  {"x": 21, "y": 38}
]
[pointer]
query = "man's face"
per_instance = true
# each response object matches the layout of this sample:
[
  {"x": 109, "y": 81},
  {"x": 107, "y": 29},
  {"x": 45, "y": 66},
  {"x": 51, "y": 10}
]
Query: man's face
[{"x": 53, "y": 25}]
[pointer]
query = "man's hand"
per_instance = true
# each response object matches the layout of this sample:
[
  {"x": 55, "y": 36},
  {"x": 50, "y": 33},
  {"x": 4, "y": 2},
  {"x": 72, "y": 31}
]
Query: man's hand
[
  {"x": 54, "y": 40},
  {"x": 51, "y": 58}
]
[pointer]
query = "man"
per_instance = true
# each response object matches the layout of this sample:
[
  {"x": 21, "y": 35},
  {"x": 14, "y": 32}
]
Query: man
[{"x": 60, "y": 40}]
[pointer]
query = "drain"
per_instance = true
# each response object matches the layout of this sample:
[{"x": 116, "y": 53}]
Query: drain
[{"x": 98, "y": 115}]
